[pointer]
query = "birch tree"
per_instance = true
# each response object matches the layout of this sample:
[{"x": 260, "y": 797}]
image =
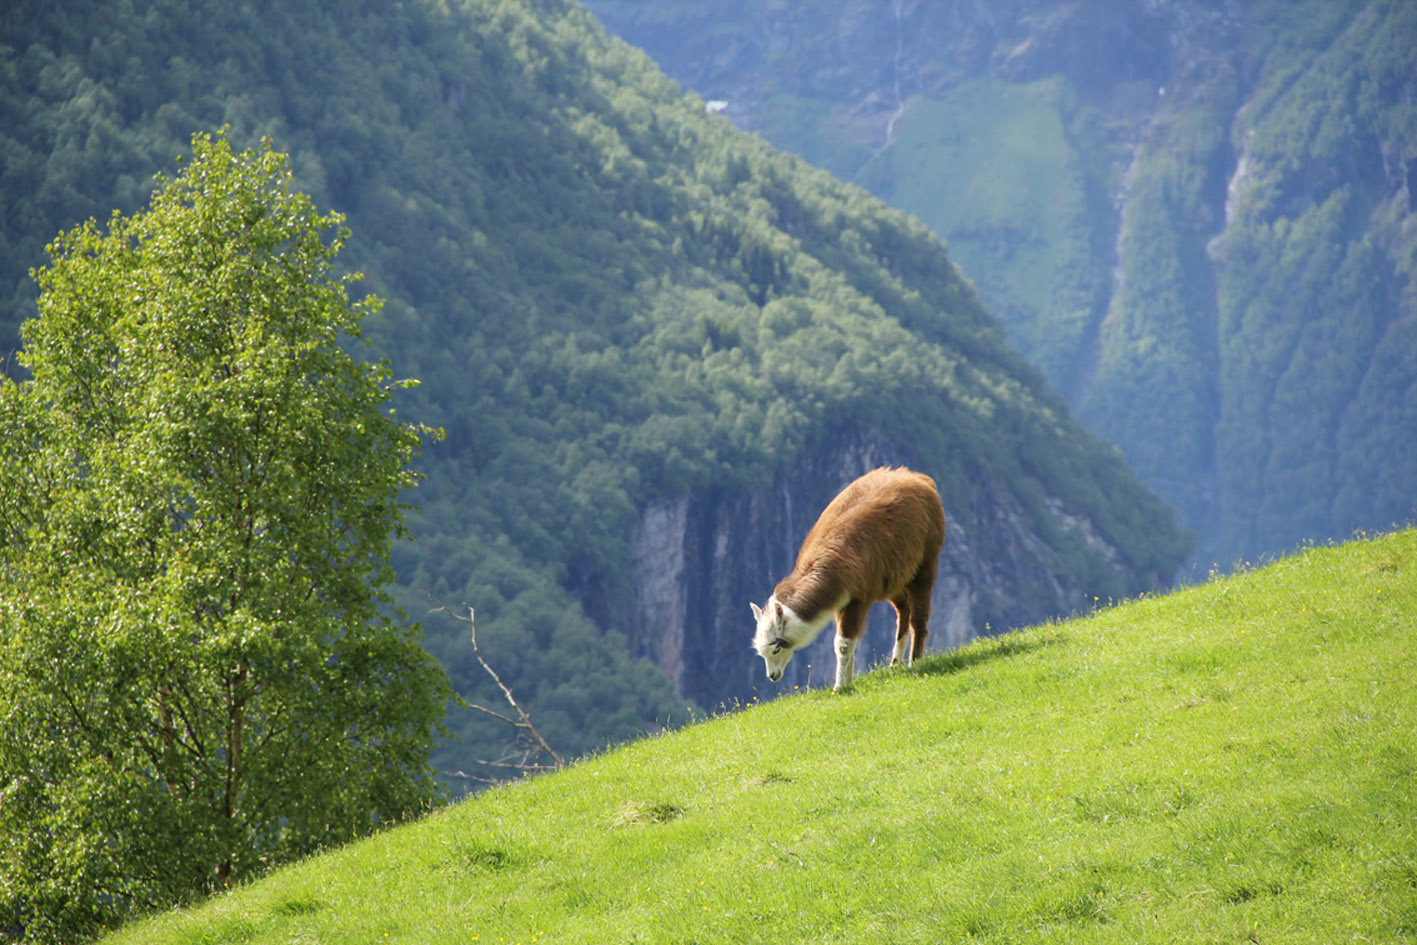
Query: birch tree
[{"x": 201, "y": 670}]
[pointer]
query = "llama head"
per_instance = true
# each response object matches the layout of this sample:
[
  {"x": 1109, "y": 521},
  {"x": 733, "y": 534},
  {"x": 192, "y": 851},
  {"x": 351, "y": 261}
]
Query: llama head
[{"x": 772, "y": 638}]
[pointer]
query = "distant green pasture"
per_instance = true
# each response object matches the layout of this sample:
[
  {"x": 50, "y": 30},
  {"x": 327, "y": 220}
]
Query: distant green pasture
[{"x": 989, "y": 167}]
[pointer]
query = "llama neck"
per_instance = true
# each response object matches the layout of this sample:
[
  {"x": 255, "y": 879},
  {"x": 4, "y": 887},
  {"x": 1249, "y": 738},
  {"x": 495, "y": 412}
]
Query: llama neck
[
  {"x": 794, "y": 629},
  {"x": 812, "y": 598}
]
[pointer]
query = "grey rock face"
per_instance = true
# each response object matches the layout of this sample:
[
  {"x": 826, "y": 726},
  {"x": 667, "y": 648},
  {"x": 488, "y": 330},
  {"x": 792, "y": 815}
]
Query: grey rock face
[{"x": 699, "y": 560}]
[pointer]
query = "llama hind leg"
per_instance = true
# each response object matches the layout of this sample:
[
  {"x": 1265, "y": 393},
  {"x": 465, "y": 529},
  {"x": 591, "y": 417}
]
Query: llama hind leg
[
  {"x": 919, "y": 594},
  {"x": 902, "y": 628}
]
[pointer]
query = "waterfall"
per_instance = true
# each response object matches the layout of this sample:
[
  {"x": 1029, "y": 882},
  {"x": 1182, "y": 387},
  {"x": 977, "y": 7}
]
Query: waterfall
[{"x": 896, "y": 8}]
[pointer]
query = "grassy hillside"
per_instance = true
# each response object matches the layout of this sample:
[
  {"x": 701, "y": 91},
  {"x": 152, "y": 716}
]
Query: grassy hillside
[{"x": 1233, "y": 762}]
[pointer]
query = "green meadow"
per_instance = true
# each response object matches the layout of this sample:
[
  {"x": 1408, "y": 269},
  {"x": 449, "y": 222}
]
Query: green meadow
[{"x": 1233, "y": 762}]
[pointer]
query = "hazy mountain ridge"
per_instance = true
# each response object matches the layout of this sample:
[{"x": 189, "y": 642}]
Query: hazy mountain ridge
[{"x": 1196, "y": 217}]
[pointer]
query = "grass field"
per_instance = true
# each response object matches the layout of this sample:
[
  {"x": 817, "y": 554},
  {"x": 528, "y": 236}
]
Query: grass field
[{"x": 1235, "y": 762}]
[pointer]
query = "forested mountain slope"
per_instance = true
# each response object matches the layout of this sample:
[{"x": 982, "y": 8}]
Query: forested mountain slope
[
  {"x": 1196, "y": 216},
  {"x": 655, "y": 344}
]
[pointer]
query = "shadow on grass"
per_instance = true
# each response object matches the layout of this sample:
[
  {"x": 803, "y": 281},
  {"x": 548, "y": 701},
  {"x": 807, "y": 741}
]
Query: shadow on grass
[{"x": 983, "y": 651}]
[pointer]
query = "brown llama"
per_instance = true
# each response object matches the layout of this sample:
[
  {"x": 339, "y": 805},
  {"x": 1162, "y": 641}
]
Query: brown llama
[{"x": 879, "y": 539}]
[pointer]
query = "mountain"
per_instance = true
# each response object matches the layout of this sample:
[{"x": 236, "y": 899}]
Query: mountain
[
  {"x": 657, "y": 346},
  {"x": 1195, "y": 216},
  {"x": 1231, "y": 762}
]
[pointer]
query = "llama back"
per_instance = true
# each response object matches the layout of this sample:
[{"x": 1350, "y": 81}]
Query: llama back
[{"x": 872, "y": 539}]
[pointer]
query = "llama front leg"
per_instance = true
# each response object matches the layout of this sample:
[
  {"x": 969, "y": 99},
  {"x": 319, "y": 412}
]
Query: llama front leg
[
  {"x": 845, "y": 662},
  {"x": 850, "y": 621}
]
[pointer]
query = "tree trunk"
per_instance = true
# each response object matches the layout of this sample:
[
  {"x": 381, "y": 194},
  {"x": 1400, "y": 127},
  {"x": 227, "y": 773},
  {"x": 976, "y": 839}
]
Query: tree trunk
[{"x": 236, "y": 699}]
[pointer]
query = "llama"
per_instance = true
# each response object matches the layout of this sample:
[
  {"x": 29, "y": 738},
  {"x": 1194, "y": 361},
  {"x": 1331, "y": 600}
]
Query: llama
[{"x": 879, "y": 539}]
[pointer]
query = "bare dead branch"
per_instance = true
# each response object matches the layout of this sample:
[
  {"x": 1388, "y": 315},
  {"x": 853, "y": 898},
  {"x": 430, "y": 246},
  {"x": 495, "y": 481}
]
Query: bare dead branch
[{"x": 534, "y": 745}]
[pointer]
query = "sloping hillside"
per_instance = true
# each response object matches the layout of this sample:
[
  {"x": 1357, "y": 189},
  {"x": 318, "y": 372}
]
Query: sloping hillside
[
  {"x": 1232, "y": 762},
  {"x": 1196, "y": 217},
  {"x": 638, "y": 326}
]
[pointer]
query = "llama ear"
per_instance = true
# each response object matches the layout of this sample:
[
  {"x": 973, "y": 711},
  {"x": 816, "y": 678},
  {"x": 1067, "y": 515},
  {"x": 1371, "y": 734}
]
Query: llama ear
[
  {"x": 757, "y": 611},
  {"x": 779, "y": 610}
]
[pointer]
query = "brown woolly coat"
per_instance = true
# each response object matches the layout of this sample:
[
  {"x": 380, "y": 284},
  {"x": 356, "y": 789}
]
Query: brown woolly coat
[{"x": 879, "y": 539}]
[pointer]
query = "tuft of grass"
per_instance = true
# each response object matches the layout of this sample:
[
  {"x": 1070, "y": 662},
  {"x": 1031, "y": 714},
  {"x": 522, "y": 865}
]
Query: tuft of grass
[
  {"x": 302, "y": 905},
  {"x": 638, "y": 813},
  {"x": 768, "y": 777},
  {"x": 1232, "y": 762},
  {"x": 478, "y": 857}
]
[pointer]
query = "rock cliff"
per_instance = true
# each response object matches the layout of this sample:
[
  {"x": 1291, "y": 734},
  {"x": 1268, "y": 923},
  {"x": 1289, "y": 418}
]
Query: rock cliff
[{"x": 699, "y": 560}]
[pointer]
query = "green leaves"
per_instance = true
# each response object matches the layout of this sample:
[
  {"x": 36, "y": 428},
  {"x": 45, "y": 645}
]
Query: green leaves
[{"x": 200, "y": 492}]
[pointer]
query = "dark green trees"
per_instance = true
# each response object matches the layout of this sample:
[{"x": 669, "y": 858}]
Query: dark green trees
[{"x": 198, "y": 673}]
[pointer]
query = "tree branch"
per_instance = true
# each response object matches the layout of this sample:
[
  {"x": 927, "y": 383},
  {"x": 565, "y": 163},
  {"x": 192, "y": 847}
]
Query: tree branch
[{"x": 536, "y": 744}]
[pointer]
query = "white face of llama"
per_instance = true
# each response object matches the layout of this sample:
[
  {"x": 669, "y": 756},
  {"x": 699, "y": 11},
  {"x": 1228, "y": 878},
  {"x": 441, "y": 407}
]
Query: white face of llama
[{"x": 770, "y": 641}]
